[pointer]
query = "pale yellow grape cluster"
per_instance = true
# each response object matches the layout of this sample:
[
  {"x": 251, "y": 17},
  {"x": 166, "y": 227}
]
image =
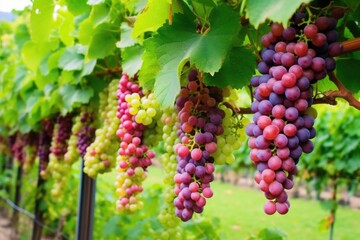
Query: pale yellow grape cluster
[
  {"x": 56, "y": 167},
  {"x": 29, "y": 158},
  {"x": 72, "y": 154},
  {"x": 230, "y": 140},
  {"x": 101, "y": 155},
  {"x": 167, "y": 217},
  {"x": 143, "y": 107}
]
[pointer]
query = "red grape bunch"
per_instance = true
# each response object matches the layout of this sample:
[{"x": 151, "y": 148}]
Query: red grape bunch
[
  {"x": 59, "y": 143},
  {"x": 200, "y": 124},
  {"x": 133, "y": 155},
  {"x": 292, "y": 60},
  {"x": 44, "y": 145}
]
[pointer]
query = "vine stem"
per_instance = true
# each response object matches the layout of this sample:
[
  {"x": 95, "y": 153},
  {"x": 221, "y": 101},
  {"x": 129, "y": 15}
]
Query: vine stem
[
  {"x": 333, "y": 210},
  {"x": 108, "y": 71},
  {"x": 351, "y": 45},
  {"x": 342, "y": 92}
]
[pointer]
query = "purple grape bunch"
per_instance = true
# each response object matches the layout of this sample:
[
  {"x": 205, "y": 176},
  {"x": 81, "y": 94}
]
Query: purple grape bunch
[{"x": 292, "y": 60}]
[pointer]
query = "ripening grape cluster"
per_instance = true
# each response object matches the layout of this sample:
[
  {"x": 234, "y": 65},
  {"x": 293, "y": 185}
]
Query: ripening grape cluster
[
  {"x": 100, "y": 156},
  {"x": 167, "y": 218},
  {"x": 292, "y": 59},
  {"x": 86, "y": 133},
  {"x": 17, "y": 144},
  {"x": 30, "y": 150},
  {"x": 200, "y": 124},
  {"x": 59, "y": 143},
  {"x": 44, "y": 145},
  {"x": 72, "y": 153},
  {"x": 81, "y": 136},
  {"x": 133, "y": 155}
]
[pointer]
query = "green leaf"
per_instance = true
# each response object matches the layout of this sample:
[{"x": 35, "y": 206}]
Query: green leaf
[
  {"x": 150, "y": 66},
  {"x": 33, "y": 53},
  {"x": 347, "y": 69},
  {"x": 88, "y": 68},
  {"x": 21, "y": 35},
  {"x": 276, "y": 10},
  {"x": 41, "y": 20},
  {"x": 154, "y": 16},
  {"x": 86, "y": 30},
  {"x": 95, "y": 2},
  {"x": 103, "y": 42},
  {"x": 100, "y": 14},
  {"x": 209, "y": 3},
  {"x": 271, "y": 234},
  {"x": 66, "y": 27},
  {"x": 236, "y": 70},
  {"x": 77, "y": 7},
  {"x": 131, "y": 59},
  {"x": 71, "y": 59},
  {"x": 179, "y": 43},
  {"x": 126, "y": 40},
  {"x": 72, "y": 96}
]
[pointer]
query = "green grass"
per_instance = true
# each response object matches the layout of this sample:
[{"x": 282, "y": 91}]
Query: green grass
[{"x": 241, "y": 215}]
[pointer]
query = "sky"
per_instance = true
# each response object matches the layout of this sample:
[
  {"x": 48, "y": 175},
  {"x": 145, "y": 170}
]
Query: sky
[{"x": 8, "y": 5}]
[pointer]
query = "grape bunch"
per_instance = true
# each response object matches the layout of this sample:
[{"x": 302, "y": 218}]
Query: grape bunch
[
  {"x": 59, "y": 144},
  {"x": 100, "y": 156},
  {"x": 200, "y": 124},
  {"x": 30, "y": 150},
  {"x": 134, "y": 156},
  {"x": 76, "y": 145},
  {"x": 292, "y": 60},
  {"x": 167, "y": 218},
  {"x": 44, "y": 145},
  {"x": 17, "y": 145},
  {"x": 86, "y": 134}
]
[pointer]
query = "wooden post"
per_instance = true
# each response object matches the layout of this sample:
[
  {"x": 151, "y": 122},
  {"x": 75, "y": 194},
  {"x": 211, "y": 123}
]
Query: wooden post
[
  {"x": 86, "y": 204},
  {"x": 40, "y": 193},
  {"x": 17, "y": 198}
]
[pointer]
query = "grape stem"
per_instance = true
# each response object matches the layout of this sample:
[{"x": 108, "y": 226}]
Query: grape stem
[
  {"x": 351, "y": 45},
  {"x": 342, "y": 92},
  {"x": 108, "y": 71}
]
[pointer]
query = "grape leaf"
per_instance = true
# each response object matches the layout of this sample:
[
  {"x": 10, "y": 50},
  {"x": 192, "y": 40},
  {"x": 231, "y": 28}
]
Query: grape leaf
[
  {"x": 95, "y": 2},
  {"x": 236, "y": 70},
  {"x": 131, "y": 59},
  {"x": 347, "y": 69},
  {"x": 126, "y": 40},
  {"x": 155, "y": 14},
  {"x": 71, "y": 59},
  {"x": 103, "y": 42},
  {"x": 33, "y": 53},
  {"x": 88, "y": 68},
  {"x": 150, "y": 66},
  {"x": 86, "y": 30},
  {"x": 21, "y": 35},
  {"x": 77, "y": 7},
  {"x": 73, "y": 95},
  {"x": 276, "y": 10},
  {"x": 179, "y": 43},
  {"x": 41, "y": 20},
  {"x": 100, "y": 14},
  {"x": 66, "y": 27}
]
